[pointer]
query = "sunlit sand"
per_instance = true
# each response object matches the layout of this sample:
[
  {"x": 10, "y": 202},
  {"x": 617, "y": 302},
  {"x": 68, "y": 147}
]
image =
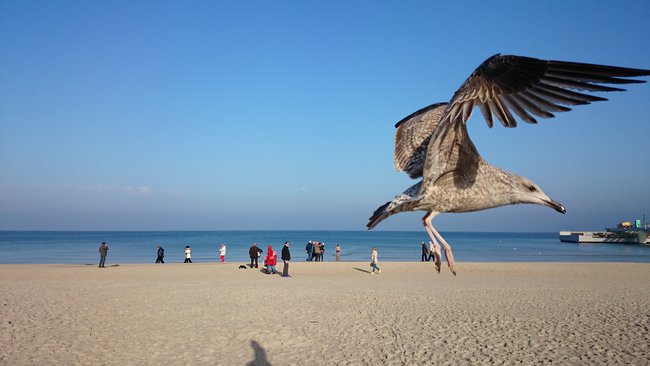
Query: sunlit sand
[{"x": 326, "y": 313}]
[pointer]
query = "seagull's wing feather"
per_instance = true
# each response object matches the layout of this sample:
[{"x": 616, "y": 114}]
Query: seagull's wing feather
[
  {"x": 455, "y": 159},
  {"x": 412, "y": 138},
  {"x": 532, "y": 87},
  {"x": 503, "y": 85}
]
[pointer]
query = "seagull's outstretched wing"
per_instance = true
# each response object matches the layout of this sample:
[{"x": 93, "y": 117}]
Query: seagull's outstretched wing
[
  {"x": 412, "y": 138},
  {"x": 529, "y": 86},
  {"x": 523, "y": 85}
]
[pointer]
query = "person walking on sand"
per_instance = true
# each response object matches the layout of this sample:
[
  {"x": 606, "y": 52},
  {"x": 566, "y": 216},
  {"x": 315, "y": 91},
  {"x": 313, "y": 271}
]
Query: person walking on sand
[
  {"x": 338, "y": 253},
  {"x": 286, "y": 257},
  {"x": 374, "y": 260},
  {"x": 188, "y": 254},
  {"x": 425, "y": 252},
  {"x": 435, "y": 253},
  {"x": 103, "y": 252},
  {"x": 254, "y": 252},
  {"x": 222, "y": 253},
  {"x": 161, "y": 254},
  {"x": 271, "y": 260}
]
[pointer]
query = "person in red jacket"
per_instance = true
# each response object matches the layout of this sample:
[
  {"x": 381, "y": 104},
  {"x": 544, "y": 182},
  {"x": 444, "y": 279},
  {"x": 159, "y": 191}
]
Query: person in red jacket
[{"x": 271, "y": 260}]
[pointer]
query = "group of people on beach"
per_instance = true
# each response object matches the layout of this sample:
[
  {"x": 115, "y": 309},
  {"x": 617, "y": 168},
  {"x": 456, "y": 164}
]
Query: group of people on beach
[
  {"x": 160, "y": 252},
  {"x": 271, "y": 259},
  {"x": 430, "y": 252},
  {"x": 316, "y": 251}
]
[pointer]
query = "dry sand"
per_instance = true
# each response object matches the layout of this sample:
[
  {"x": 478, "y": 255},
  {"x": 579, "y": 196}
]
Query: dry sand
[{"x": 327, "y": 313}]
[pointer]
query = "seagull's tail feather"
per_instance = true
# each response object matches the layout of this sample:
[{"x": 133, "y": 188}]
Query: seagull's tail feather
[{"x": 404, "y": 202}]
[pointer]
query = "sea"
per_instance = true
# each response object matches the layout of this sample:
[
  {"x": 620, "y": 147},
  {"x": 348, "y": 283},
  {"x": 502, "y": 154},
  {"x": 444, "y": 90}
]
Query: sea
[{"x": 81, "y": 247}]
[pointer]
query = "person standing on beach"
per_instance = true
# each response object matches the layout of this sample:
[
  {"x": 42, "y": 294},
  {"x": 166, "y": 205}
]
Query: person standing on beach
[
  {"x": 254, "y": 252},
  {"x": 435, "y": 253},
  {"x": 425, "y": 252},
  {"x": 317, "y": 251},
  {"x": 322, "y": 252},
  {"x": 286, "y": 257},
  {"x": 103, "y": 252},
  {"x": 188, "y": 254},
  {"x": 222, "y": 253},
  {"x": 338, "y": 253},
  {"x": 161, "y": 254},
  {"x": 374, "y": 260},
  {"x": 309, "y": 248},
  {"x": 271, "y": 260}
]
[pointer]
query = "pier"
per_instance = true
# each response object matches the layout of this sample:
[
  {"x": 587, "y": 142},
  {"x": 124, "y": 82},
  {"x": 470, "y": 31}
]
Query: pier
[{"x": 625, "y": 233}]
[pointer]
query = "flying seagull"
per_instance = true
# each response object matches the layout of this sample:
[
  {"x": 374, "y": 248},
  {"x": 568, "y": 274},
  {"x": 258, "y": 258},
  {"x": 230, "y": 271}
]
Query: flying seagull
[{"x": 433, "y": 144}]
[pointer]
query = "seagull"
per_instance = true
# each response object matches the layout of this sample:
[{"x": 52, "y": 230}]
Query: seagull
[{"x": 433, "y": 144}]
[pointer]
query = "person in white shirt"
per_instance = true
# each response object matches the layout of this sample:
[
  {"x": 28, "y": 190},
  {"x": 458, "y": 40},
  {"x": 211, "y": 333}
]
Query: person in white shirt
[
  {"x": 374, "y": 261},
  {"x": 188, "y": 254},
  {"x": 435, "y": 253},
  {"x": 222, "y": 253}
]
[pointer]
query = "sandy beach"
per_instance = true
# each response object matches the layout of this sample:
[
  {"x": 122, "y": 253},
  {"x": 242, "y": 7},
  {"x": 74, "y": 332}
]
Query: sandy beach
[{"x": 326, "y": 314}]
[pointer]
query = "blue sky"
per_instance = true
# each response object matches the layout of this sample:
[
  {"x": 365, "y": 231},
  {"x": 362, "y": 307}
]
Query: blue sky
[{"x": 201, "y": 115}]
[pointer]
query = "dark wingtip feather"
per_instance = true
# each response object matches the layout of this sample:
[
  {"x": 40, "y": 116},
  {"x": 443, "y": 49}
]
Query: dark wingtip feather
[
  {"x": 377, "y": 216},
  {"x": 604, "y": 70}
]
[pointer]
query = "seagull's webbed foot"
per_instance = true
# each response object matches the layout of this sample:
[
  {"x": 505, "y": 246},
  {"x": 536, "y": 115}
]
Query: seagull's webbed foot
[{"x": 449, "y": 255}]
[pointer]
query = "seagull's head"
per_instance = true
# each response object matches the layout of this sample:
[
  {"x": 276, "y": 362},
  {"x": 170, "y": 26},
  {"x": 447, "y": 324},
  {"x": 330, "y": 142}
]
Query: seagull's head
[{"x": 529, "y": 192}]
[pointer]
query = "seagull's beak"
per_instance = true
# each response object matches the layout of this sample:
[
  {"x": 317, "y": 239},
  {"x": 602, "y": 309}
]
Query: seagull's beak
[{"x": 555, "y": 205}]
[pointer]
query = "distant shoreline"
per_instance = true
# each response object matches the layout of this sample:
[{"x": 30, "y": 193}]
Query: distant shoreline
[
  {"x": 64, "y": 247},
  {"x": 277, "y": 231},
  {"x": 301, "y": 262}
]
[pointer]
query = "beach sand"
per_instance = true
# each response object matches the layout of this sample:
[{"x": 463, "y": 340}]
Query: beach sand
[{"x": 326, "y": 314}]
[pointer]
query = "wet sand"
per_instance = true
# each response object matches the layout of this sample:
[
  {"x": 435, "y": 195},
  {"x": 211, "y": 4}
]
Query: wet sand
[{"x": 326, "y": 313}]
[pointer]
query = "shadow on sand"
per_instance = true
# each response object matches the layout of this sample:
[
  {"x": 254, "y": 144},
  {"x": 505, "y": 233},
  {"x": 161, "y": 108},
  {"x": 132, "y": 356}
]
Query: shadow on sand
[
  {"x": 260, "y": 356},
  {"x": 263, "y": 270},
  {"x": 361, "y": 270},
  {"x": 95, "y": 264}
]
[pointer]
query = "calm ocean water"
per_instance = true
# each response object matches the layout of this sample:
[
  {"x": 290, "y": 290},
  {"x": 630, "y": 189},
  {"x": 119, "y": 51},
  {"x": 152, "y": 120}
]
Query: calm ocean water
[{"x": 81, "y": 247}]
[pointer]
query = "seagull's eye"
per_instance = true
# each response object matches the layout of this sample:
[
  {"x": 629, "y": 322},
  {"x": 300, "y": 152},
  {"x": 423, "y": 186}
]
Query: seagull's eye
[{"x": 532, "y": 189}]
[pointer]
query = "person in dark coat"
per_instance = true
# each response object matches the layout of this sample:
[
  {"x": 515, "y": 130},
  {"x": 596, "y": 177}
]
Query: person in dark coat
[
  {"x": 425, "y": 252},
  {"x": 254, "y": 252},
  {"x": 286, "y": 257},
  {"x": 310, "y": 251},
  {"x": 161, "y": 254},
  {"x": 103, "y": 252}
]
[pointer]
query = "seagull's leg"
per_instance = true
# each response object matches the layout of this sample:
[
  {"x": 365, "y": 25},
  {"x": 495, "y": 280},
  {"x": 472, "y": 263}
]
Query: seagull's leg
[
  {"x": 448, "y": 254},
  {"x": 437, "y": 256},
  {"x": 426, "y": 220},
  {"x": 433, "y": 234}
]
